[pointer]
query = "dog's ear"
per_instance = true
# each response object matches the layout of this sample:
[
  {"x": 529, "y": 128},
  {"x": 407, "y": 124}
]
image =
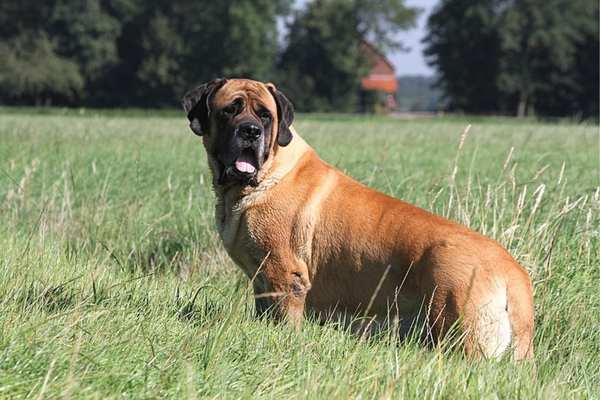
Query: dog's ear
[
  {"x": 285, "y": 115},
  {"x": 196, "y": 104}
]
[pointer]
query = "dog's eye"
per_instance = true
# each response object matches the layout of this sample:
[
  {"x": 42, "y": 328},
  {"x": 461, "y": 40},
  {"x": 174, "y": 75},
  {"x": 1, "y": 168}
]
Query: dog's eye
[
  {"x": 265, "y": 116},
  {"x": 232, "y": 109}
]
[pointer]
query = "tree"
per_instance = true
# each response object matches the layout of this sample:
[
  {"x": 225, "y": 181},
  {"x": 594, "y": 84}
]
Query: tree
[
  {"x": 516, "y": 56},
  {"x": 539, "y": 46},
  {"x": 23, "y": 16},
  {"x": 463, "y": 44},
  {"x": 168, "y": 46},
  {"x": 242, "y": 43},
  {"x": 572, "y": 86},
  {"x": 147, "y": 52},
  {"x": 159, "y": 69},
  {"x": 55, "y": 49},
  {"x": 85, "y": 33},
  {"x": 32, "y": 72},
  {"x": 322, "y": 64},
  {"x": 587, "y": 54}
]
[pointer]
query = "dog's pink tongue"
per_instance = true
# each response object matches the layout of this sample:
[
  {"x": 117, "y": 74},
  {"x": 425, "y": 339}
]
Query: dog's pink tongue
[{"x": 243, "y": 164}]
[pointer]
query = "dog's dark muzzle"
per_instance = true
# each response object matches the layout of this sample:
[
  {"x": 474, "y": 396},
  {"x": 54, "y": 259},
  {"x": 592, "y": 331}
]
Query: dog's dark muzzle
[
  {"x": 243, "y": 154},
  {"x": 249, "y": 132}
]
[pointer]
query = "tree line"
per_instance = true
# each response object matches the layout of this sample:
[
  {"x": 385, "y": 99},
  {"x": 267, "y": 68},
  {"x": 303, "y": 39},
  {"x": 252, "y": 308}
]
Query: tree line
[
  {"x": 517, "y": 57},
  {"x": 116, "y": 53},
  {"x": 491, "y": 56}
]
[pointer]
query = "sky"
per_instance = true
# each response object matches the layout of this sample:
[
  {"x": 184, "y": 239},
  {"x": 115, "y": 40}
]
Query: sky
[{"x": 413, "y": 62}]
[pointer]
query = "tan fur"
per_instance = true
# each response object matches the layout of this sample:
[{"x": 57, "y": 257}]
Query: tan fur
[{"x": 354, "y": 250}]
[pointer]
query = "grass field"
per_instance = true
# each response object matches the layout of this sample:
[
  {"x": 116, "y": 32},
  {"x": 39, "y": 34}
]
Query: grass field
[{"x": 113, "y": 283}]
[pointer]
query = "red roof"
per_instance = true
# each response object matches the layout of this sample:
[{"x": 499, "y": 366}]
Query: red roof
[
  {"x": 382, "y": 75},
  {"x": 384, "y": 83}
]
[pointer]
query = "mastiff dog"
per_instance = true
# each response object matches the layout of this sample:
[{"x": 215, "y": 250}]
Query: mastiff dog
[{"x": 311, "y": 238}]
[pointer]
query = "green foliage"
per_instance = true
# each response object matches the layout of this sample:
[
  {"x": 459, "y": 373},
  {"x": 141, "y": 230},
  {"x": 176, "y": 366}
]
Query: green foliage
[
  {"x": 493, "y": 56},
  {"x": 159, "y": 69},
  {"x": 516, "y": 56},
  {"x": 539, "y": 45},
  {"x": 19, "y": 17},
  {"x": 250, "y": 39},
  {"x": 573, "y": 86},
  {"x": 32, "y": 72},
  {"x": 148, "y": 53},
  {"x": 463, "y": 44},
  {"x": 322, "y": 63},
  {"x": 114, "y": 283},
  {"x": 86, "y": 34},
  {"x": 55, "y": 49}
]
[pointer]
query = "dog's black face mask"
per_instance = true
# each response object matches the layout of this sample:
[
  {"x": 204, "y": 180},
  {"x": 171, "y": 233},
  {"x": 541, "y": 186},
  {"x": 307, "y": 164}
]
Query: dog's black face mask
[
  {"x": 242, "y": 145},
  {"x": 238, "y": 125}
]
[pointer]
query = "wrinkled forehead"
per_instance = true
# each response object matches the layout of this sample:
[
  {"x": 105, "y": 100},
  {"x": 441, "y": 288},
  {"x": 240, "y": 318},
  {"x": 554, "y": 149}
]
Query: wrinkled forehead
[{"x": 250, "y": 91}]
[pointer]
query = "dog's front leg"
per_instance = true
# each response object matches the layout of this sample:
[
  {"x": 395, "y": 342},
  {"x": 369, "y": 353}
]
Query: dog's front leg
[{"x": 280, "y": 290}]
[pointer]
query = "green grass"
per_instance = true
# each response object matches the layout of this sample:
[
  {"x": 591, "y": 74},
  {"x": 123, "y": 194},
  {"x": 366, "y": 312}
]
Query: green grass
[{"x": 113, "y": 283}]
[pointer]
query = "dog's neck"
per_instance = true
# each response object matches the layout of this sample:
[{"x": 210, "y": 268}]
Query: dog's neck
[
  {"x": 279, "y": 164},
  {"x": 234, "y": 200}
]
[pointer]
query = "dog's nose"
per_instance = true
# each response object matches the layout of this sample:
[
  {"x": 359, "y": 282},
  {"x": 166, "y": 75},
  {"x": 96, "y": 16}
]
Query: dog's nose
[{"x": 249, "y": 131}]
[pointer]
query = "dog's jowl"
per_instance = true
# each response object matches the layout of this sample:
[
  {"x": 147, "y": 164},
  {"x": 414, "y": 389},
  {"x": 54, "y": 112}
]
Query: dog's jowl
[{"x": 314, "y": 239}]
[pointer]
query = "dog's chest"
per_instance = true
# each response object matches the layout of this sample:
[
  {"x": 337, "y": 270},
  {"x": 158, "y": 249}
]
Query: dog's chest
[{"x": 238, "y": 238}]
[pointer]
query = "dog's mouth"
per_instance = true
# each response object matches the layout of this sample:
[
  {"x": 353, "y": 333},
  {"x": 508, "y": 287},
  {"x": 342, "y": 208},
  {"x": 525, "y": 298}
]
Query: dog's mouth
[
  {"x": 246, "y": 163},
  {"x": 244, "y": 169}
]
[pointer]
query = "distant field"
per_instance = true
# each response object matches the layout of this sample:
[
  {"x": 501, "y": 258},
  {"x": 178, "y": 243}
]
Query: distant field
[{"x": 113, "y": 283}]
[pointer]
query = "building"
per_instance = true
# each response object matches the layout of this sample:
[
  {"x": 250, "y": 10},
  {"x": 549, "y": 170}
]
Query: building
[{"x": 381, "y": 80}]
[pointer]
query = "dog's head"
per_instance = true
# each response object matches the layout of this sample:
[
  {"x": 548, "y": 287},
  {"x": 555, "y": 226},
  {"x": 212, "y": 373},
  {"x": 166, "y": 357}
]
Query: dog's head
[{"x": 241, "y": 122}]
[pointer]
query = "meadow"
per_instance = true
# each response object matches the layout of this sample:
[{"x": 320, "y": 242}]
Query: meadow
[{"x": 113, "y": 282}]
